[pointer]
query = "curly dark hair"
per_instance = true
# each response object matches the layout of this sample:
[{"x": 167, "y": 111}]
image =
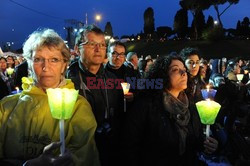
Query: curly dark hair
[
  {"x": 160, "y": 68},
  {"x": 188, "y": 51}
]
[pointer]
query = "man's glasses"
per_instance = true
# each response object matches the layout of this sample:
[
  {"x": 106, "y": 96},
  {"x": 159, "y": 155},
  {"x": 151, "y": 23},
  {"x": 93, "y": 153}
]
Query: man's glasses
[
  {"x": 39, "y": 61},
  {"x": 118, "y": 55},
  {"x": 93, "y": 44}
]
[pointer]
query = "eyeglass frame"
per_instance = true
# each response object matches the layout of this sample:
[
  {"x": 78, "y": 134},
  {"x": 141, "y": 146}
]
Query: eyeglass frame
[
  {"x": 93, "y": 44},
  {"x": 115, "y": 54}
]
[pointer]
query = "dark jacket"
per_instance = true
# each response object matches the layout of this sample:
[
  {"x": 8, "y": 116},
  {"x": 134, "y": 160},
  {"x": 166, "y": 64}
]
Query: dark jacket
[
  {"x": 3, "y": 89},
  {"x": 151, "y": 136},
  {"x": 107, "y": 106},
  {"x": 21, "y": 71}
]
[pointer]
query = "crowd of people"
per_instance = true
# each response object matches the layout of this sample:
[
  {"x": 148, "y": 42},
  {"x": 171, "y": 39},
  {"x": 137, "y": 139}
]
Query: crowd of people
[{"x": 160, "y": 126}]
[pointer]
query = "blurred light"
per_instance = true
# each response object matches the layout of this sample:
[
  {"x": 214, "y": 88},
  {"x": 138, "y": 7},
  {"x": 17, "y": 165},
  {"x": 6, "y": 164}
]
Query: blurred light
[
  {"x": 98, "y": 17},
  {"x": 75, "y": 30},
  {"x": 13, "y": 30},
  {"x": 112, "y": 40},
  {"x": 216, "y": 22},
  {"x": 107, "y": 37}
]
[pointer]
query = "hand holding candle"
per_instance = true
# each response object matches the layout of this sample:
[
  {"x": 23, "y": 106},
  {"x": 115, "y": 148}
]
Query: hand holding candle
[
  {"x": 62, "y": 102},
  {"x": 125, "y": 87}
]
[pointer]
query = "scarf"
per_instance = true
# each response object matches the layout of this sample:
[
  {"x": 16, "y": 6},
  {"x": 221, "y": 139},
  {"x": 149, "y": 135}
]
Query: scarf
[{"x": 178, "y": 110}]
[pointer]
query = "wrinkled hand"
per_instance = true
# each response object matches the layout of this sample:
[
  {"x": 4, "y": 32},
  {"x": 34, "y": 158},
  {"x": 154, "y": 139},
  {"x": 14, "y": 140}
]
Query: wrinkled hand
[
  {"x": 48, "y": 158},
  {"x": 210, "y": 145},
  {"x": 129, "y": 96}
]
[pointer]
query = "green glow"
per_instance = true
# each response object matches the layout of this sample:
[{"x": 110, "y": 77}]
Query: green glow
[
  {"x": 208, "y": 111},
  {"x": 62, "y": 102}
]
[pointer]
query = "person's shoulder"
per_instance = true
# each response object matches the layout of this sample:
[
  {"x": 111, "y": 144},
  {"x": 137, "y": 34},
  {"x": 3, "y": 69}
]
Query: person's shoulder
[
  {"x": 9, "y": 100},
  {"x": 72, "y": 69}
]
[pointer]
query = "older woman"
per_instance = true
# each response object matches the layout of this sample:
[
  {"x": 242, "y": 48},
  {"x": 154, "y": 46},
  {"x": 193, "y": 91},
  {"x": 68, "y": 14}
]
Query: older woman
[
  {"x": 25, "y": 120},
  {"x": 161, "y": 130}
]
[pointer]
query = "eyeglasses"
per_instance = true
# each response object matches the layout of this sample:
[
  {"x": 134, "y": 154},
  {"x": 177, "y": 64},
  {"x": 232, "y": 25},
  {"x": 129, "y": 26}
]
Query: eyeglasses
[
  {"x": 177, "y": 70},
  {"x": 118, "y": 55},
  {"x": 39, "y": 61},
  {"x": 93, "y": 44},
  {"x": 191, "y": 62}
]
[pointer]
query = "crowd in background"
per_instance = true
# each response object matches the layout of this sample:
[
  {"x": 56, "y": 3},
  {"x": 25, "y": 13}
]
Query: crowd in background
[{"x": 136, "y": 137}]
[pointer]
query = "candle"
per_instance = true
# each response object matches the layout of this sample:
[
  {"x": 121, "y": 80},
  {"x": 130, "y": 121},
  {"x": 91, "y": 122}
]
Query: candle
[
  {"x": 125, "y": 87},
  {"x": 207, "y": 88},
  {"x": 208, "y": 93},
  {"x": 9, "y": 71},
  {"x": 17, "y": 90},
  {"x": 239, "y": 76},
  {"x": 208, "y": 111},
  {"x": 61, "y": 103}
]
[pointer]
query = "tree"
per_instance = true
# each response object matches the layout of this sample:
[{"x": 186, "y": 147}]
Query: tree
[
  {"x": 195, "y": 6},
  {"x": 181, "y": 23},
  {"x": 108, "y": 29},
  {"x": 210, "y": 22},
  {"x": 245, "y": 27},
  {"x": 216, "y": 4},
  {"x": 149, "y": 21},
  {"x": 199, "y": 23},
  {"x": 238, "y": 28}
]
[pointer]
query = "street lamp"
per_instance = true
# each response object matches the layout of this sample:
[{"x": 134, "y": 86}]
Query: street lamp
[
  {"x": 216, "y": 22},
  {"x": 98, "y": 18}
]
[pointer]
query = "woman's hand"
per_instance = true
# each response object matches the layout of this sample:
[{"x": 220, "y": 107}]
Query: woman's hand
[
  {"x": 210, "y": 145},
  {"x": 47, "y": 158}
]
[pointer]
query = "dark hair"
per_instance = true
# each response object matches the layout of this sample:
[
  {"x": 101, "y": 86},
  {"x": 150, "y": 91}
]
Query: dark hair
[
  {"x": 81, "y": 36},
  {"x": 142, "y": 64},
  {"x": 116, "y": 43},
  {"x": 3, "y": 58},
  {"x": 160, "y": 68},
  {"x": 189, "y": 51}
]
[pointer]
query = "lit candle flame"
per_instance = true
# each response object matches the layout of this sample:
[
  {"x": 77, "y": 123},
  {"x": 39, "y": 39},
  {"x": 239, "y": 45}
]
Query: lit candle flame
[
  {"x": 17, "y": 90},
  {"x": 207, "y": 88}
]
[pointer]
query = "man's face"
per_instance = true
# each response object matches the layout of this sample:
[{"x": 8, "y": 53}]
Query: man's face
[
  {"x": 94, "y": 51},
  {"x": 116, "y": 56}
]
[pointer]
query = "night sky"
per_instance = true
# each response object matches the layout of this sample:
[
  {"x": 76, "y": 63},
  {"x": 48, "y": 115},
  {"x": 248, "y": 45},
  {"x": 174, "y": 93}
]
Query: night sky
[{"x": 17, "y": 21}]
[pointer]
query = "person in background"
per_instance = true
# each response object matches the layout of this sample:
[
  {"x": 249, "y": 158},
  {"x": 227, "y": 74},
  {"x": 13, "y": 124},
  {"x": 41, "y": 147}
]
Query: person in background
[
  {"x": 191, "y": 58},
  {"x": 233, "y": 68},
  {"x": 11, "y": 61},
  {"x": 203, "y": 71},
  {"x": 142, "y": 68},
  {"x": 160, "y": 129},
  {"x": 90, "y": 79},
  {"x": 131, "y": 60},
  {"x": 29, "y": 135}
]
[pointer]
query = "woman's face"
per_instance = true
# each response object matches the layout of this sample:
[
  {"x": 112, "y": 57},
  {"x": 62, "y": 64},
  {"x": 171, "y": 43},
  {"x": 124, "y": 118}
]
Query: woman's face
[
  {"x": 178, "y": 76},
  {"x": 48, "y": 66},
  {"x": 203, "y": 70},
  {"x": 193, "y": 63},
  {"x": 237, "y": 68}
]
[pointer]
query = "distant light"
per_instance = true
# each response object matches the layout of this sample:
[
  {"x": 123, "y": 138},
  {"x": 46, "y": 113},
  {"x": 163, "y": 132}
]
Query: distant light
[
  {"x": 12, "y": 43},
  {"x": 139, "y": 37},
  {"x": 107, "y": 37},
  {"x": 112, "y": 40},
  {"x": 75, "y": 30},
  {"x": 98, "y": 17},
  {"x": 216, "y": 22},
  {"x": 13, "y": 30},
  {"x": 132, "y": 39},
  {"x": 64, "y": 28}
]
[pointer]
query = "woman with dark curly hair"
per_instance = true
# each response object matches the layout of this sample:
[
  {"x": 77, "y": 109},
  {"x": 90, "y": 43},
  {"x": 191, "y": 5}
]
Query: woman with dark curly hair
[{"x": 160, "y": 129}]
